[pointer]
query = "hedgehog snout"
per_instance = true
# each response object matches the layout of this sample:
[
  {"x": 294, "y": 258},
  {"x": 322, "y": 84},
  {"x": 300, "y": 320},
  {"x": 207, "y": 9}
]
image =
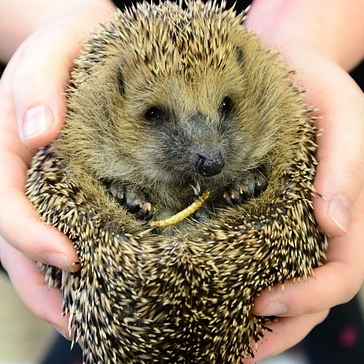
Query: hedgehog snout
[
  {"x": 200, "y": 129},
  {"x": 209, "y": 162}
]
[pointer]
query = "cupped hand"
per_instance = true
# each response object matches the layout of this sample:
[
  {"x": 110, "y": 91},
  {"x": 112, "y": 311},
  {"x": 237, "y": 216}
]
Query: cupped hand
[
  {"x": 32, "y": 107},
  {"x": 300, "y": 306},
  {"x": 339, "y": 205}
]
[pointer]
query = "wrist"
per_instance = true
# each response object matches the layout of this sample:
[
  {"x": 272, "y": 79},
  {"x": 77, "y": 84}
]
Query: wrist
[
  {"x": 331, "y": 28},
  {"x": 17, "y": 24}
]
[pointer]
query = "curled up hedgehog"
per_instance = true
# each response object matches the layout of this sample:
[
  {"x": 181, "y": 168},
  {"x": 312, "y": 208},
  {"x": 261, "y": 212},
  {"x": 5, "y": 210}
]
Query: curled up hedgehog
[{"x": 184, "y": 176}]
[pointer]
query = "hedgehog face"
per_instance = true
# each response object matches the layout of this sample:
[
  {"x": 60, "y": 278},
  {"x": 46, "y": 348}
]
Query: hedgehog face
[
  {"x": 186, "y": 122},
  {"x": 191, "y": 124}
]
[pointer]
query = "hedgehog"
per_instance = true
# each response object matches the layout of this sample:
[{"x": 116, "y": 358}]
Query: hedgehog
[{"x": 184, "y": 177}]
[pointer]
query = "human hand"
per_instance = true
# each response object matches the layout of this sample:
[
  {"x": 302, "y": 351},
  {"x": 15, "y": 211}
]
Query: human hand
[
  {"x": 32, "y": 107},
  {"x": 300, "y": 306},
  {"x": 339, "y": 180}
]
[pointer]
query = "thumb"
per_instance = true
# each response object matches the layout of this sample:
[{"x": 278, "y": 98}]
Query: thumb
[
  {"x": 340, "y": 172},
  {"x": 32, "y": 98},
  {"x": 34, "y": 82},
  {"x": 35, "y": 78}
]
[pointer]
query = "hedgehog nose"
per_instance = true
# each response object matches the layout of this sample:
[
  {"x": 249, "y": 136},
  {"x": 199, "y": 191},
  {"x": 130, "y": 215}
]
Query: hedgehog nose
[{"x": 210, "y": 163}]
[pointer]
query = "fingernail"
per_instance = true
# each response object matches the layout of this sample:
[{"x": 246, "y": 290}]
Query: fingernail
[
  {"x": 36, "y": 121},
  {"x": 274, "y": 309},
  {"x": 58, "y": 260},
  {"x": 340, "y": 212}
]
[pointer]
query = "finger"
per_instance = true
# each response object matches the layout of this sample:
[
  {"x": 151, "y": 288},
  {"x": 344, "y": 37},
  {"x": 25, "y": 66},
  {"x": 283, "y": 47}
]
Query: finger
[
  {"x": 35, "y": 78},
  {"x": 340, "y": 173},
  {"x": 340, "y": 154},
  {"x": 336, "y": 282},
  {"x": 340, "y": 105},
  {"x": 38, "y": 241},
  {"x": 32, "y": 87},
  {"x": 286, "y": 332},
  {"x": 28, "y": 282},
  {"x": 20, "y": 225}
]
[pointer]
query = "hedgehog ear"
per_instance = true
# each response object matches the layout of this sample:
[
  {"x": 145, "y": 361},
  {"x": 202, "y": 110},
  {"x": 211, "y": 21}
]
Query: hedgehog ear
[
  {"x": 239, "y": 53},
  {"x": 120, "y": 82}
]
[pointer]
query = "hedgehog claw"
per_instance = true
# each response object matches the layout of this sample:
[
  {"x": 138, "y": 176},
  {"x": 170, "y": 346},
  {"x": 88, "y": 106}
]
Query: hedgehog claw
[
  {"x": 133, "y": 199},
  {"x": 248, "y": 186}
]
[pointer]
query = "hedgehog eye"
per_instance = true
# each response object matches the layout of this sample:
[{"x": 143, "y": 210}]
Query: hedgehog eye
[
  {"x": 226, "y": 106},
  {"x": 154, "y": 114}
]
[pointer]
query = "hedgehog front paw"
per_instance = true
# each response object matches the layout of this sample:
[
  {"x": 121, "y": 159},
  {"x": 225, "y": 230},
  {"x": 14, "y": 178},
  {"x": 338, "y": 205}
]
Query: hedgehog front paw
[
  {"x": 248, "y": 186},
  {"x": 203, "y": 213},
  {"x": 133, "y": 199}
]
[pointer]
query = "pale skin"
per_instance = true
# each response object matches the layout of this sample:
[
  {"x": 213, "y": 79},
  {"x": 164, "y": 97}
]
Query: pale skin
[
  {"x": 31, "y": 110},
  {"x": 319, "y": 39}
]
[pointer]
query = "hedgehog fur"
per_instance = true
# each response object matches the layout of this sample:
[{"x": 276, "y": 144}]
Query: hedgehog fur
[{"x": 162, "y": 98}]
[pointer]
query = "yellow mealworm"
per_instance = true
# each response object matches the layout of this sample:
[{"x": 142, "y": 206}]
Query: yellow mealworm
[{"x": 189, "y": 210}]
